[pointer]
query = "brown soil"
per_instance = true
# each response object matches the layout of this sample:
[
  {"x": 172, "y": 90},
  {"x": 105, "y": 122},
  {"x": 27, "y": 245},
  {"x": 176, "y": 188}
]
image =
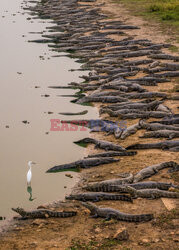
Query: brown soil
[{"x": 83, "y": 232}]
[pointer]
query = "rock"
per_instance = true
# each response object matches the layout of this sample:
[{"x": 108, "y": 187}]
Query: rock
[
  {"x": 175, "y": 222},
  {"x": 97, "y": 176},
  {"x": 55, "y": 245},
  {"x": 69, "y": 175},
  {"x": 121, "y": 234},
  {"x": 42, "y": 207},
  {"x": 97, "y": 230},
  {"x": 7, "y": 126},
  {"x": 156, "y": 240},
  {"x": 169, "y": 203},
  {"x": 172, "y": 189},
  {"x": 38, "y": 222},
  {"x": 25, "y": 121},
  {"x": 33, "y": 244},
  {"x": 145, "y": 241},
  {"x": 45, "y": 95},
  {"x": 18, "y": 229}
]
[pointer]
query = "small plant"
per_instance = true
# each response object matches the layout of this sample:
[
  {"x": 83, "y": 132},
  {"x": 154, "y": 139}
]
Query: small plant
[
  {"x": 154, "y": 8},
  {"x": 167, "y": 17},
  {"x": 164, "y": 220},
  {"x": 94, "y": 245}
]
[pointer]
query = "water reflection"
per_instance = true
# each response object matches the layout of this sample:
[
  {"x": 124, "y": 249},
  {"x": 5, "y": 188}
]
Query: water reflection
[
  {"x": 29, "y": 190},
  {"x": 2, "y": 218}
]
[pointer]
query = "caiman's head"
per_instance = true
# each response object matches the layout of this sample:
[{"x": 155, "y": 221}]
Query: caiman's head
[
  {"x": 89, "y": 206},
  {"x": 142, "y": 122},
  {"x": 70, "y": 197},
  {"x": 130, "y": 190},
  {"x": 89, "y": 186},
  {"x": 19, "y": 210}
]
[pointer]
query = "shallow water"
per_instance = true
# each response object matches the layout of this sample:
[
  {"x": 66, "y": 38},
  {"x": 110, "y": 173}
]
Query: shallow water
[{"x": 21, "y": 69}]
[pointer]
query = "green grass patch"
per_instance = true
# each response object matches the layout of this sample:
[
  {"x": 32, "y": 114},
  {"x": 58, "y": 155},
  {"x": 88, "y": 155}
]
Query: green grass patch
[
  {"x": 165, "y": 11},
  {"x": 94, "y": 245},
  {"x": 174, "y": 48},
  {"x": 175, "y": 176},
  {"x": 164, "y": 220}
]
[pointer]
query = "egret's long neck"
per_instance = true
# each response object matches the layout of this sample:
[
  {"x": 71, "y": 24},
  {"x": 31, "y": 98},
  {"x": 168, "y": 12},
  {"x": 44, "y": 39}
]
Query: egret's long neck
[{"x": 30, "y": 165}]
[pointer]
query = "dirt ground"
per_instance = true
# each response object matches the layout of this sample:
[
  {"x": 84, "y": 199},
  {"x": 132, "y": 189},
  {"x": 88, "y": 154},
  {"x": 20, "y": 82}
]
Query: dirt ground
[{"x": 83, "y": 232}]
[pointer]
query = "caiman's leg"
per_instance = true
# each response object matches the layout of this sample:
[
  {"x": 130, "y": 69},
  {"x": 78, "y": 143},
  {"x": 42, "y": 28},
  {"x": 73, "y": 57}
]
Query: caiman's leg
[
  {"x": 110, "y": 216},
  {"x": 171, "y": 136},
  {"x": 164, "y": 147},
  {"x": 23, "y": 218},
  {"x": 94, "y": 216},
  {"x": 155, "y": 170},
  {"x": 133, "y": 196},
  {"x": 152, "y": 197},
  {"x": 109, "y": 133}
]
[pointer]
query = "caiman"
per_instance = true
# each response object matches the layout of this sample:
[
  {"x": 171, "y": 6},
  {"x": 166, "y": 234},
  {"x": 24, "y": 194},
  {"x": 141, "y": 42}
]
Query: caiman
[
  {"x": 85, "y": 163},
  {"x": 152, "y": 185},
  {"x": 151, "y": 193},
  {"x": 164, "y": 145},
  {"x": 43, "y": 213},
  {"x": 110, "y": 213},
  {"x": 170, "y": 134},
  {"x": 130, "y": 130},
  {"x": 112, "y": 154},
  {"x": 103, "y": 185},
  {"x": 152, "y": 170},
  {"x": 98, "y": 196},
  {"x": 102, "y": 144},
  {"x": 157, "y": 126},
  {"x": 138, "y": 185}
]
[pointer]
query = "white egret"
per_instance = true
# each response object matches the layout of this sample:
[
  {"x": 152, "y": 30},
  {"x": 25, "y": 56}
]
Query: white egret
[{"x": 29, "y": 173}]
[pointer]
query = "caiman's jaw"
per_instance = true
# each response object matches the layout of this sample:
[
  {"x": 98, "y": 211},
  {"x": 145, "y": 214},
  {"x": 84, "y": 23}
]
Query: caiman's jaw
[{"x": 70, "y": 197}]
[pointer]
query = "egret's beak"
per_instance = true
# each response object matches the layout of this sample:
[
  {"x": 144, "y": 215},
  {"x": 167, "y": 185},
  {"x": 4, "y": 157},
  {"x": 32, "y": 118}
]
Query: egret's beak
[{"x": 34, "y": 163}]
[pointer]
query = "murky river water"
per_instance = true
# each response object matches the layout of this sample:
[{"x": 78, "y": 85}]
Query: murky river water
[{"x": 21, "y": 69}]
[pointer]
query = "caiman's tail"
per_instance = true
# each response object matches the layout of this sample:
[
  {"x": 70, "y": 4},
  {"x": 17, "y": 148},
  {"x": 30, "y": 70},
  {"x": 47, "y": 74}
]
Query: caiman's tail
[
  {"x": 139, "y": 218},
  {"x": 66, "y": 214}
]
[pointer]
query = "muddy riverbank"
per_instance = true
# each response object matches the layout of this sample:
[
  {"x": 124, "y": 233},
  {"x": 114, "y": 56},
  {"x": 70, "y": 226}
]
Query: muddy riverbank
[{"x": 111, "y": 50}]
